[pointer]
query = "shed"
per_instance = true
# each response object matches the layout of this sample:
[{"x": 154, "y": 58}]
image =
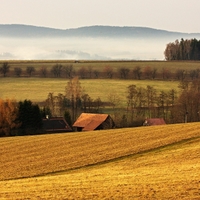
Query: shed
[
  {"x": 93, "y": 121},
  {"x": 56, "y": 125},
  {"x": 154, "y": 121}
]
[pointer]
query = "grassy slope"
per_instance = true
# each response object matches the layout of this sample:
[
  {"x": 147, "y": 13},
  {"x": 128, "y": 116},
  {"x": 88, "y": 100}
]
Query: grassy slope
[
  {"x": 150, "y": 162},
  {"x": 168, "y": 173}
]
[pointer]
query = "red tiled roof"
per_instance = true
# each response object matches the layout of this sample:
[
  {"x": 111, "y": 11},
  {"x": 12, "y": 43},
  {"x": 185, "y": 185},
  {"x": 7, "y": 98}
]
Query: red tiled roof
[
  {"x": 90, "y": 121},
  {"x": 154, "y": 121}
]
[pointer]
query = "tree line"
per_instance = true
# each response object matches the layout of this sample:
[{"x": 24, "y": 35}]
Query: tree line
[
  {"x": 25, "y": 117},
  {"x": 183, "y": 50},
  {"x": 68, "y": 71},
  {"x": 173, "y": 106},
  {"x": 141, "y": 102}
]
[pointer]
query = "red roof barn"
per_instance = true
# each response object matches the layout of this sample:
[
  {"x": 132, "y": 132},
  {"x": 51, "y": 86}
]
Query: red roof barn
[
  {"x": 154, "y": 121},
  {"x": 93, "y": 121}
]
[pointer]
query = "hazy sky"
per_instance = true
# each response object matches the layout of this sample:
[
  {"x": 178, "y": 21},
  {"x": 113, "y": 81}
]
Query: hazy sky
[{"x": 172, "y": 15}]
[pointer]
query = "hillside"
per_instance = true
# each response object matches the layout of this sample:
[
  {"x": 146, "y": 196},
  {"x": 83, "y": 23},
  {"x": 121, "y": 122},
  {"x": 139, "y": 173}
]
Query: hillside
[
  {"x": 137, "y": 163},
  {"x": 26, "y": 31},
  {"x": 46, "y": 154}
]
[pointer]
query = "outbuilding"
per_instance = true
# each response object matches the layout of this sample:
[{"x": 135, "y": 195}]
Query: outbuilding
[
  {"x": 154, "y": 121},
  {"x": 55, "y": 125},
  {"x": 93, "y": 121}
]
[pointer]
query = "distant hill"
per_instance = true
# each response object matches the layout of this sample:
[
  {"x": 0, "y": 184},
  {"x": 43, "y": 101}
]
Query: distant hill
[
  {"x": 17, "y": 30},
  {"x": 86, "y": 43}
]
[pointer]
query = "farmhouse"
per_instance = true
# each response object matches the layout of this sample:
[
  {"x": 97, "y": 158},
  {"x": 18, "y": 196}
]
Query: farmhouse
[
  {"x": 93, "y": 121},
  {"x": 56, "y": 125},
  {"x": 154, "y": 121}
]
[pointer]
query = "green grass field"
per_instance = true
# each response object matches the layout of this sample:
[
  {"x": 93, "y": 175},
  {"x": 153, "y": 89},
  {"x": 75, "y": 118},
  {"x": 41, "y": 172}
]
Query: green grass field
[
  {"x": 37, "y": 89},
  {"x": 160, "y": 162}
]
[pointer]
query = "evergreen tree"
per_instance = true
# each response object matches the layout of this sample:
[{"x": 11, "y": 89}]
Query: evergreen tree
[
  {"x": 183, "y": 50},
  {"x": 30, "y": 118}
]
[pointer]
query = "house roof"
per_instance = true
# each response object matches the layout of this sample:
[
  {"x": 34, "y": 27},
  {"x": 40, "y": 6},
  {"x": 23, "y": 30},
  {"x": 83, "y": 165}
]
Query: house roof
[
  {"x": 56, "y": 124},
  {"x": 90, "y": 121},
  {"x": 154, "y": 121}
]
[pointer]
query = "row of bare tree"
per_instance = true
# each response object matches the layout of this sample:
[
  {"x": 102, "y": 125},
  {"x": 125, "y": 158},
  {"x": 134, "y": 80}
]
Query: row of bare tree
[{"x": 68, "y": 71}]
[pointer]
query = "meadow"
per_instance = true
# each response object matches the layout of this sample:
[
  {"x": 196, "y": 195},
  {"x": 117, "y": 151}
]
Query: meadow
[
  {"x": 158, "y": 162},
  {"x": 37, "y": 89}
]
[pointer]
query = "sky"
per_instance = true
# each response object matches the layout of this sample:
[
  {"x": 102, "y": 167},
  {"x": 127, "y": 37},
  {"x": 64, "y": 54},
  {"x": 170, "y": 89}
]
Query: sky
[{"x": 171, "y": 15}]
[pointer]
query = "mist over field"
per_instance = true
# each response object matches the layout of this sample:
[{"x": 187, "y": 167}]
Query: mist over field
[
  {"x": 81, "y": 48},
  {"x": 90, "y": 43}
]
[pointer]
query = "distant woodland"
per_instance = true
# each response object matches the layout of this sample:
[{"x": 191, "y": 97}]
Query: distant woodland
[{"x": 183, "y": 50}]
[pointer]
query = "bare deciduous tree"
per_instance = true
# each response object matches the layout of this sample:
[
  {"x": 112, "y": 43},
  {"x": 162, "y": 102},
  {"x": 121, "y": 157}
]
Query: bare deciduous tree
[
  {"x": 50, "y": 103},
  {"x": 89, "y": 70},
  {"x": 5, "y": 68},
  {"x": 148, "y": 72},
  {"x": 68, "y": 69},
  {"x": 18, "y": 71},
  {"x": 30, "y": 70},
  {"x": 86, "y": 102},
  {"x": 166, "y": 74},
  {"x": 151, "y": 98},
  {"x": 124, "y": 72},
  {"x": 131, "y": 100},
  {"x": 108, "y": 71},
  {"x": 8, "y": 117},
  {"x": 73, "y": 92},
  {"x": 137, "y": 73},
  {"x": 96, "y": 73},
  {"x": 43, "y": 71},
  {"x": 56, "y": 70},
  {"x": 82, "y": 72},
  {"x": 180, "y": 74}
]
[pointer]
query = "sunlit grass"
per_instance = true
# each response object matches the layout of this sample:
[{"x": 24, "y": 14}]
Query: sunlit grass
[
  {"x": 43, "y": 154},
  {"x": 171, "y": 173},
  {"x": 37, "y": 89},
  {"x": 136, "y": 163}
]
